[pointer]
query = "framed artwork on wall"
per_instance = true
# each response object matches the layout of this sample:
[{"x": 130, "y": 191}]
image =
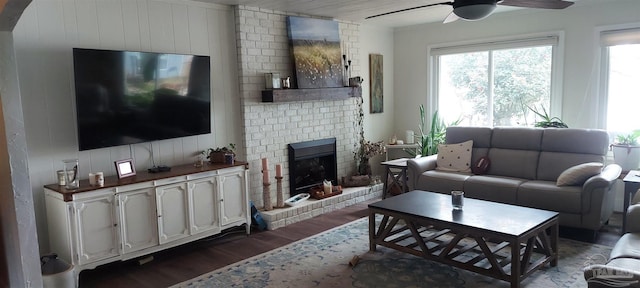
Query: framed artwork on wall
[
  {"x": 376, "y": 80},
  {"x": 317, "y": 55}
]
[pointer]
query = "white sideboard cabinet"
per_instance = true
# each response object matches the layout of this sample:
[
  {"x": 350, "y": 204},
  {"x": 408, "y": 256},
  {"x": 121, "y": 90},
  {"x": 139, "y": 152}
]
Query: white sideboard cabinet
[{"x": 146, "y": 213}]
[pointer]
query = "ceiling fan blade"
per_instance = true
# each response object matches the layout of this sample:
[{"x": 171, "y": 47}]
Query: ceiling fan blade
[
  {"x": 542, "y": 4},
  {"x": 408, "y": 9},
  {"x": 452, "y": 17}
]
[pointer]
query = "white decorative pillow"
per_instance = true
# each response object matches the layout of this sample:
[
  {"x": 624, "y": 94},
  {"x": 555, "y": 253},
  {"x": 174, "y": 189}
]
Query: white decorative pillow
[
  {"x": 577, "y": 175},
  {"x": 455, "y": 157}
]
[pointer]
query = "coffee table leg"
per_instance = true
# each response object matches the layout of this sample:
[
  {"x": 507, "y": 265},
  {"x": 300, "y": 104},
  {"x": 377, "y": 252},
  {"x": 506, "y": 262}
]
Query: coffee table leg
[
  {"x": 515, "y": 264},
  {"x": 554, "y": 244},
  {"x": 372, "y": 231}
]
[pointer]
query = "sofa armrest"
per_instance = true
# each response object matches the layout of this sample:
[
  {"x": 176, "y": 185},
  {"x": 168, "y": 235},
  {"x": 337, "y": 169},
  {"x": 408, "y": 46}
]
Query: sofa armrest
[
  {"x": 633, "y": 219},
  {"x": 600, "y": 275},
  {"x": 417, "y": 166},
  {"x": 606, "y": 178}
]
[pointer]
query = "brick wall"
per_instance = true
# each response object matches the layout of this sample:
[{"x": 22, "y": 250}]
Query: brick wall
[{"x": 263, "y": 47}]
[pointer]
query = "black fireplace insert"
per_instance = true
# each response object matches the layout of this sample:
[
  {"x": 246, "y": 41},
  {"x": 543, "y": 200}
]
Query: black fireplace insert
[{"x": 310, "y": 163}]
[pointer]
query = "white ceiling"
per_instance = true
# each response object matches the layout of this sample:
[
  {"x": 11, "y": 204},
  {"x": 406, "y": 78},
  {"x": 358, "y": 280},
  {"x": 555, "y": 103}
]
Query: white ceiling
[{"x": 357, "y": 10}]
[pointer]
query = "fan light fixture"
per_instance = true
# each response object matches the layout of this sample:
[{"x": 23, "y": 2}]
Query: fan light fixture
[{"x": 474, "y": 11}]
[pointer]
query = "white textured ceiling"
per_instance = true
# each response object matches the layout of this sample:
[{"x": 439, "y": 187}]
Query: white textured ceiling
[{"x": 357, "y": 10}]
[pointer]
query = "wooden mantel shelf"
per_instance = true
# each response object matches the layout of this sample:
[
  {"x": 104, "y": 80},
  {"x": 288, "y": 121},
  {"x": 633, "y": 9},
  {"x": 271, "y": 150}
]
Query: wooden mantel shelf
[{"x": 290, "y": 95}]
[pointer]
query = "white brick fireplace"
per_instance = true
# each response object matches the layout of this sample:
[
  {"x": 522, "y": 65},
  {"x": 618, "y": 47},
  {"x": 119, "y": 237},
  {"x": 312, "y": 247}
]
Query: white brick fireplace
[{"x": 263, "y": 47}]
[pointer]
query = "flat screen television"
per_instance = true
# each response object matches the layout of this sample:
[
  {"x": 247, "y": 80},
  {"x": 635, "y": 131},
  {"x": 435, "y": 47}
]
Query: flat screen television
[{"x": 127, "y": 97}]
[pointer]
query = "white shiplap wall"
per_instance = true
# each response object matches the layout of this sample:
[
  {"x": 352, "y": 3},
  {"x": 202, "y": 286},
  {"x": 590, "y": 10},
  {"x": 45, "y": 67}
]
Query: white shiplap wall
[{"x": 44, "y": 38}]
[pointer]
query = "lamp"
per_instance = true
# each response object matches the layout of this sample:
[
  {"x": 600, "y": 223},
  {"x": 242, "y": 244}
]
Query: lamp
[{"x": 473, "y": 10}]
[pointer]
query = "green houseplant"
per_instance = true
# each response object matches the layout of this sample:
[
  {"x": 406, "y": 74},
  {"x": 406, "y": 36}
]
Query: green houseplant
[
  {"x": 428, "y": 141},
  {"x": 546, "y": 120},
  {"x": 626, "y": 151},
  {"x": 216, "y": 155}
]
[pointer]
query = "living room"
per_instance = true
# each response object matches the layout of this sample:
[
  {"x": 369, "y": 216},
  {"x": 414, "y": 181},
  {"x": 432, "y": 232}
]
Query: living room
[{"x": 46, "y": 32}]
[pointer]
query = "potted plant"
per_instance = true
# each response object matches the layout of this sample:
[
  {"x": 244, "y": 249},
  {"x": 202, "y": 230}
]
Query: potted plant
[
  {"x": 547, "y": 121},
  {"x": 428, "y": 141},
  {"x": 217, "y": 155},
  {"x": 626, "y": 151},
  {"x": 367, "y": 150}
]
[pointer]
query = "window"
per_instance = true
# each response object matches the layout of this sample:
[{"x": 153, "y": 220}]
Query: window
[
  {"x": 621, "y": 59},
  {"x": 494, "y": 84}
]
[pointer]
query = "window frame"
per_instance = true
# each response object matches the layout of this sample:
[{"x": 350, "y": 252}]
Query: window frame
[
  {"x": 607, "y": 37},
  {"x": 554, "y": 38}
]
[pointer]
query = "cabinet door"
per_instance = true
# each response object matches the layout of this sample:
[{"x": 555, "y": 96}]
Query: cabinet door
[
  {"x": 138, "y": 224},
  {"x": 173, "y": 216},
  {"x": 233, "y": 198},
  {"x": 204, "y": 205},
  {"x": 97, "y": 229}
]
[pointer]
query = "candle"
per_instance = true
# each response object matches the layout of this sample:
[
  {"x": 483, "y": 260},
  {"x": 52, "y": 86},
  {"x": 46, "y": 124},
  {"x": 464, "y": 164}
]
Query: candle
[
  {"x": 265, "y": 164},
  {"x": 278, "y": 170}
]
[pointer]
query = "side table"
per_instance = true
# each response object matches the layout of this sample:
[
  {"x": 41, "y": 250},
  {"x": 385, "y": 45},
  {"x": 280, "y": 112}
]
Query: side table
[
  {"x": 399, "y": 146},
  {"x": 397, "y": 169},
  {"x": 631, "y": 186}
]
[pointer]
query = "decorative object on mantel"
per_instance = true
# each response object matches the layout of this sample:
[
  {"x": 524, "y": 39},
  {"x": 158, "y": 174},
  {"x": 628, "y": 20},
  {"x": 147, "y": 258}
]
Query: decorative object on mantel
[
  {"x": 286, "y": 82},
  {"x": 347, "y": 75},
  {"x": 316, "y": 52},
  {"x": 376, "y": 91},
  {"x": 355, "y": 81},
  {"x": 266, "y": 185},
  {"x": 272, "y": 80}
]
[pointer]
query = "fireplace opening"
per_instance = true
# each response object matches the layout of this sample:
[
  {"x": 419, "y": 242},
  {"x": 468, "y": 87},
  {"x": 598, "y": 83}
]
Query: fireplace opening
[{"x": 310, "y": 163}]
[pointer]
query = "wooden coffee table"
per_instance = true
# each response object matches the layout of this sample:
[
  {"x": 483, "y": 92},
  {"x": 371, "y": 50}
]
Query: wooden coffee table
[{"x": 485, "y": 237}]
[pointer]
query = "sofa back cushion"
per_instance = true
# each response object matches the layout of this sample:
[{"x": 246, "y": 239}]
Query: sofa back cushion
[
  {"x": 514, "y": 152},
  {"x": 563, "y": 148},
  {"x": 481, "y": 137}
]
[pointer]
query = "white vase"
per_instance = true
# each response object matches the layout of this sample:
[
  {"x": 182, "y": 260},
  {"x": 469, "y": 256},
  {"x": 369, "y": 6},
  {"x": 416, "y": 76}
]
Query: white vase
[{"x": 628, "y": 157}]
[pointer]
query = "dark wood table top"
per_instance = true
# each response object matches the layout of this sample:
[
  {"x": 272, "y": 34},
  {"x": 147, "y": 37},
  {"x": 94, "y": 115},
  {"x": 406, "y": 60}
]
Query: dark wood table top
[{"x": 502, "y": 218}]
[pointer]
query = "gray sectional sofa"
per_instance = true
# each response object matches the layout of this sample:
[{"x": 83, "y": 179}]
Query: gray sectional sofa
[{"x": 525, "y": 164}]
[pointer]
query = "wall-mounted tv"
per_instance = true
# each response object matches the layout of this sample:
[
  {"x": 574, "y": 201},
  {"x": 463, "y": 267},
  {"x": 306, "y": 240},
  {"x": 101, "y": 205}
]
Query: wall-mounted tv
[{"x": 127, "y": 97}]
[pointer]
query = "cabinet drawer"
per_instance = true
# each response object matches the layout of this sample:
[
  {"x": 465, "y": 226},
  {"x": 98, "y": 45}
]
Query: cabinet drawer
[
  {"x": 171, "y": 180},
  {"x": 132, "y": 187}
]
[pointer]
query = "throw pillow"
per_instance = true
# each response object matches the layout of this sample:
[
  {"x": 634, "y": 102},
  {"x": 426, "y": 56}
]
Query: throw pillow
[
  {"x": 454, "y": 157},
  {"x": 482, "y": 166},
  {"x": 577, "y": 175}
]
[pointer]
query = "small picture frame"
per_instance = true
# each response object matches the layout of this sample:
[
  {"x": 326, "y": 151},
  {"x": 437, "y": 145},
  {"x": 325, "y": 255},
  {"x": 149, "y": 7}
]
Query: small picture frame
[{"x": 125, "y": 168}]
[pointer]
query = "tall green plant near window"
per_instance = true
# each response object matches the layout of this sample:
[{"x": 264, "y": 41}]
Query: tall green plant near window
[{"x": 428, "y": 140}]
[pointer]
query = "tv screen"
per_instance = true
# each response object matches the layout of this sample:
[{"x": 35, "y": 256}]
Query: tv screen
[{"x": 127, "y": 97}]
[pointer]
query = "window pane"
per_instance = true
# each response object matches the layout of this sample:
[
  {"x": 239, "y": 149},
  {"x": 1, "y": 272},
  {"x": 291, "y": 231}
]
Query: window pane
[
  {"x": 464, "y": 88},
  {"x": 623, "y": 95},
  {"x": 481, "y": 94},
  {"x": 522, "y": 77}
]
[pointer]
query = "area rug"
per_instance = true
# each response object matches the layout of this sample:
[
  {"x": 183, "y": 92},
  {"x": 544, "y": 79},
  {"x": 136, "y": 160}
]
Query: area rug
[{"x": 323, "y": 260}]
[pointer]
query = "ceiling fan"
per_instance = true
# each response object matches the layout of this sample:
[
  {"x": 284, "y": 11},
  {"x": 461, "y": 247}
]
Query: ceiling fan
[{"x": 479, "y": 9}]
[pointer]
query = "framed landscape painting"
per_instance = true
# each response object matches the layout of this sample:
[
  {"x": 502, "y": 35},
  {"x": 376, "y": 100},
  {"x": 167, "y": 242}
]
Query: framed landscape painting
[
  {"x": 317, "y": 55},
  {"x": 376, "y": 91}
]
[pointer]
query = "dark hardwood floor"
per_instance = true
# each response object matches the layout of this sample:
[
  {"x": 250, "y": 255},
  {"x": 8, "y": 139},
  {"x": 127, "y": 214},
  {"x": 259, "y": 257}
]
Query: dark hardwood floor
[{"x": 191, "y": 260}]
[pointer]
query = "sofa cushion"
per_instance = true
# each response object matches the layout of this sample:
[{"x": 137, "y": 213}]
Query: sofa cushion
[
  {"x": 627, "y": 247},
  {"x": 492, "y": 188},
  {"x": 578, "y": 174},
  {"x": 552, "y": 164},
  {"x": 481, "y": 137},
  {"x": 517, "y": 138},
  {"x": 455, "y": 157},
  {"x": 565, "y": 139},
  {"x": 440, "y": 181},
  {"x": 548, "y": 196},
  {"x": 513, "y": 163}
]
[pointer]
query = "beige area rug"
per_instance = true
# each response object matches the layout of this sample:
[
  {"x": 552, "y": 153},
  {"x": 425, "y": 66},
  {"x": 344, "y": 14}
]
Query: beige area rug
[{"x": 322, "y": 260}]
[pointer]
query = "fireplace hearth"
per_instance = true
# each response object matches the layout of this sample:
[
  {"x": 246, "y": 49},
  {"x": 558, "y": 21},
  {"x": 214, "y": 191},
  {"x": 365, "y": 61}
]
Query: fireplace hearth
[{"x": 310, "y": 163}]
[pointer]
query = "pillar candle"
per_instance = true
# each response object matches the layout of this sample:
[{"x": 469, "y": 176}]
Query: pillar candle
[
  {"x": 265, "y": 176},
  {"x": 265, "y": 164},
  {"x": 278, "y": 170}
]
